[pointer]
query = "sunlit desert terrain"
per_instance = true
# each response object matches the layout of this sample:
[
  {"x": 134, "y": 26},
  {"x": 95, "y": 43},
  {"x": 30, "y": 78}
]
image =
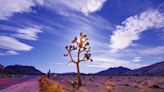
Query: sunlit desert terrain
[{"x": 113, "y": 83}]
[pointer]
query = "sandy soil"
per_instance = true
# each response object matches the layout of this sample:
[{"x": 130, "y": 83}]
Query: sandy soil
[
  {"x": 113, "y": 83},
  {"x": 30, "y": 85},
  {"x": 4, "y": 83}
]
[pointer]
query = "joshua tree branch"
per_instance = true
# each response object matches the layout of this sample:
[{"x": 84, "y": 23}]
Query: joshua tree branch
[
  {"x": 70, "y": 54},
  {"x": 77, "y": 43},
  {"x": 83, "y": 59}
]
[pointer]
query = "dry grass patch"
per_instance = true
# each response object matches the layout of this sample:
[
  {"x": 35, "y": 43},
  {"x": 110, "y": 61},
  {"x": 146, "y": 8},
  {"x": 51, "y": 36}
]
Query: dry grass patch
[
  {"x": 47, "y": 85},
  {"x": 109, "y": 86}
]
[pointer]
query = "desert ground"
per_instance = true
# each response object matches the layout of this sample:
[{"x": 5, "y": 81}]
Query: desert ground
[
  {"x": 91, "y": 83},
  {"x": 112, "y": 83},
  {"x": 23, "y": 84}
]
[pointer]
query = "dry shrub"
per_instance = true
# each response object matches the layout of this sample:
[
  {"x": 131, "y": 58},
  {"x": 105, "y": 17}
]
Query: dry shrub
[
  {"x": 138, "y": 82},
  {"x": 109, "y": 86},
  {"x": 82, "y": 89},
  {"x": 74, "y": 85},
  {"x": 135, "y": 86},
  {"x": 129, "y": 78},
  {"x": 91, "y": 79},
  {"x": 126, "y": 85},
  {"x": 151, "y": 84},
  {"x": 154, "y": 86},
  {"x": 110, "y": 77},
  {"x": 46, "y": 85}
]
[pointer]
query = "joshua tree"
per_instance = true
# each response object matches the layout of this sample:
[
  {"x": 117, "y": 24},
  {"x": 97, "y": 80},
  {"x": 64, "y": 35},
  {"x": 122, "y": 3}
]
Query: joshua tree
[
  {"x": 49, "y": 74},
  {"x": 82, "y": 49},
  {"x": 1, "y": 67}
]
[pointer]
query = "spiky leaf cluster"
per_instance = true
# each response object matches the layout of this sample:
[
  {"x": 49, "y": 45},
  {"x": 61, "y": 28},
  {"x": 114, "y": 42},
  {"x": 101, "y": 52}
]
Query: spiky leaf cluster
[{"x": 81, "y": 46}]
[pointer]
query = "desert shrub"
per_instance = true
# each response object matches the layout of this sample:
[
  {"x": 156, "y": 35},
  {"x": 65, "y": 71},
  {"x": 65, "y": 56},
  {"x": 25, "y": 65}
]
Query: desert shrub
[
  {"x": 18, "y": 75},
  {"x": 47, "y": 85},
  {"x": 11, "y": 75},
  {"x": 74, "y": 84},
  {"x": 109, "y": 86},
  {"x": 110, "y": 77},
  {"x": 136, "y": 86},
  {"x": 154, "y": 86},
  {"x": 138, "y": 82},
  {"x": 91, "y": 79},
  {"x": 126, "y": 84},
  {"x": 151, "y": 84}
]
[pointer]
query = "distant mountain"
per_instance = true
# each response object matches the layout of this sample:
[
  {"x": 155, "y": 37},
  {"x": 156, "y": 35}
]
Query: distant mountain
[
  {"x": 114, "y": 71},
  {"x": 154, "y": 69},
  {"x": 19, "y": 69},
  {"x": 69, "y": 73}
]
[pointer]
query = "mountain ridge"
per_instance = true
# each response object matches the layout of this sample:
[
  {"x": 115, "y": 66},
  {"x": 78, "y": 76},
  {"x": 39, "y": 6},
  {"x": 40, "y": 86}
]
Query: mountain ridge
[
  {"x": 21, "y": 69},
  {"x": 114, "y": 71},
  {"x": 153, "y": 69}
]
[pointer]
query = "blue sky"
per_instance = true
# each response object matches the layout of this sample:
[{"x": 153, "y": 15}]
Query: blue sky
[{"x": 121, "y": 33}]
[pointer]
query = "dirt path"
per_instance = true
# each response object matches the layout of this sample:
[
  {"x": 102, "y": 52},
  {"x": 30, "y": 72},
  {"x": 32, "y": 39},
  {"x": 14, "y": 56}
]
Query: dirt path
[
  {"x": 30, "y": 85},
  {"x": 4, "y": 83}
]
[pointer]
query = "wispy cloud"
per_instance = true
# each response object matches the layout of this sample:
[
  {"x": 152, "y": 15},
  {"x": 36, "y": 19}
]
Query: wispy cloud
[
  {"x": 108, "y": 62},
  {"x": 90, "y": 24},
  {"x": 11, "y": 52},
  {"x": 153, "y": 51},
  {"x": 39, "y": 2},
  {"x": 83, "y": 6},
  {"x": 29, "y": 33},
  {"x": 10, "y": 7},
  {"x": 136, "y": 59},
  {"x": 132, "y": 27},
  {"x": 10, "y": 43}
]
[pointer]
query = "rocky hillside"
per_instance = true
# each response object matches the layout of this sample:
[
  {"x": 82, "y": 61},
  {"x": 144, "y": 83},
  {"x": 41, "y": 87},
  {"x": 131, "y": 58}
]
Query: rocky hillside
[
  {"x": 154, "y": 69},
  {"x": 114, "y": 71},
  {"x": 19, "y": 69}
]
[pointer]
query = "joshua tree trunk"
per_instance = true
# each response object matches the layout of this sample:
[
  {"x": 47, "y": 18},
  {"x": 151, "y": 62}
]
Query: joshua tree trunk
[
  {"x": 49, "y": 74},
  {"x": 78, "y": 75}
]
